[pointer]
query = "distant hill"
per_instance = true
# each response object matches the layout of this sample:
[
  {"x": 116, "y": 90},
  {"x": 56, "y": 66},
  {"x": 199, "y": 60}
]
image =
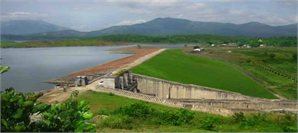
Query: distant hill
[
  {"x": 171, "y": 26},
  {"x": 159, "y": 26},
  {"x": 24, "y": 27}
]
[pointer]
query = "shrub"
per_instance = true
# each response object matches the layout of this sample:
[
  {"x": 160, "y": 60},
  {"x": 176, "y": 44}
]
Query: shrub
[
  {"x": 272, "y": 55},
  {"x": 103, "y": 112},
  {"x": 136, "y": 110},
  {"x": 287, "y": 119},
  {"x": 169, "y": 117},
  {"x": 255, "y": 119},
  {"x": 294, "y": 56},
  {"x": 17, "y": 109},
  {"x": 71, "y": 115},
  {"x": 179, "y": 117},
  {"x": 111, "y": 94},
  {"x": 210, "y": 123},
  {"x": 238, "y": 117},
  {"x": 289, "y": 129},
  {"x": 117, "y": 122}
]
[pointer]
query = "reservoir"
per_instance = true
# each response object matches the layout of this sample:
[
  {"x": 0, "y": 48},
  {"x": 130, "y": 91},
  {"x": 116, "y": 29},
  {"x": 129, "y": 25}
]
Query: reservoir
[{"x": 30, "y": 67}]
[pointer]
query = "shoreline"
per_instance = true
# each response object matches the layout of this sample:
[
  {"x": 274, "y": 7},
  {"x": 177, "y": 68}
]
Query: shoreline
[
  {"x": 114, "y": 64},
  {"x": 138, "y": 56},
  {"x": 87, "y": 45}
]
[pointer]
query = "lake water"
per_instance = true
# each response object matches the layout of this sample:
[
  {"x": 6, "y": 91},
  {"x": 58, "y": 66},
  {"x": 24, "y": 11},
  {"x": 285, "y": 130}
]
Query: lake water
[{"x": 30, "y": 67}]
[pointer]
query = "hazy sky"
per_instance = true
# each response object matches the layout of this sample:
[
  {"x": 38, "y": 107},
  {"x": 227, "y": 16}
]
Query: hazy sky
[{"x": 86, "y": 15}]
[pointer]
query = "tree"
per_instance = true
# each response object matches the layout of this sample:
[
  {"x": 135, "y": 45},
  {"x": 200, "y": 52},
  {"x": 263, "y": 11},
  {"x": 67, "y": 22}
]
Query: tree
[
  {"x": 294, "y": 56},
  {"x": 17, "y": 110},
  {"x": 71, "y": 115}
]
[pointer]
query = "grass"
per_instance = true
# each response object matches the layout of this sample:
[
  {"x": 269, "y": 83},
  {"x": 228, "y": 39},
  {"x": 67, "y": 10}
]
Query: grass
[
  {"x": 98, "y": 101},
  {"x": 3, "y": 68},
  {"x": 279, "y": 59},
  {"x": 178, "y": 66},
  {"x": 124, "y": 114}
]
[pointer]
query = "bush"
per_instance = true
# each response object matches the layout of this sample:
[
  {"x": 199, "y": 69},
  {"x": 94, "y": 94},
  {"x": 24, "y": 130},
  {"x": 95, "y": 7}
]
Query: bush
[
  {"x": 294, "y": 56},
  {"x": 272, "y": 55},
  {"x": 136, "y": 110},
  {"x": 210, "y": 123},
  {"x": 111, "y": 94},
  {"x": 71, "y": 115},
  {"x": 143, "y": 111},
  {"x": 287, "y": 119},
  {"x": 289, "y": 129},
  {"x": 255, "y": 119},
  {"x": 18, "y": 108},
  {"x": 238, "y": 117},
  {"x": 179, "y": 117},
  {"x": 117, "y": 122},
  {"x": 103, "y": 112}
]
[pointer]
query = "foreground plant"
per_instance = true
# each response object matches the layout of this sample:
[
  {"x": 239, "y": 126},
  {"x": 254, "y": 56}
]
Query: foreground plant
[{"x": 22, "y": 112}]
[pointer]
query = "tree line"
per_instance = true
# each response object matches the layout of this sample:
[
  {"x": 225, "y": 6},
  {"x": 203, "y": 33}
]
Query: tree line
[{"x": 123, "y": 39}]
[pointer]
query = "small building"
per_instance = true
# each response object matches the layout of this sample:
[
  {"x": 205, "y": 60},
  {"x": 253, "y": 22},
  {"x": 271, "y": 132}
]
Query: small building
[
  {"x": 197, "y": 49},
  {"x": 107, "y": 82},
  {"x": 262, "y": 45},
  {"x": 246, "y": 46}
]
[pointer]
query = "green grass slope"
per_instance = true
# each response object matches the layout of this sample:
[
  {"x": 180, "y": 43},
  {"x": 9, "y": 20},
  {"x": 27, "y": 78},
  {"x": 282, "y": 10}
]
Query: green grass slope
[
  {"x": 185, "y": 68},
  {"x": 117, "y": 114}
]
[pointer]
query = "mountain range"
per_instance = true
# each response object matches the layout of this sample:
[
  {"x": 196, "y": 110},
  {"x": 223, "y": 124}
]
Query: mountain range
[
  {"x": 25, "y": 27},
  {"x": 29, "y": 29}
]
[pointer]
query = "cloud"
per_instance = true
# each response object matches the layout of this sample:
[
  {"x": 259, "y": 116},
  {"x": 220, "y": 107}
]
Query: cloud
[
  {"x": 131, "y": 22},
  {"x": 21, "y": 16},
  {"x": 142, "y": 3},
  {"x": 97, "y": 14}
]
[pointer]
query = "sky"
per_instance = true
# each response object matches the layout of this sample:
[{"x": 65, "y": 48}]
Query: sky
[{"x": 90, "y": 15}]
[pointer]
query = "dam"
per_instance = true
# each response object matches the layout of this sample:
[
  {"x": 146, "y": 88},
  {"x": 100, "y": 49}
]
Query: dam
[
  {"x": 115, "y": 77},
  {"x": 194, "y": 97}
]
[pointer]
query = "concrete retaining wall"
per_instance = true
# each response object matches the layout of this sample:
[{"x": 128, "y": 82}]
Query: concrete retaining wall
[
  {"x": 209, "y": 99},
  {"x": 173, "y": 90},
  {"x": 245, "y": 105},
  {"x": 193, "y": 97}
]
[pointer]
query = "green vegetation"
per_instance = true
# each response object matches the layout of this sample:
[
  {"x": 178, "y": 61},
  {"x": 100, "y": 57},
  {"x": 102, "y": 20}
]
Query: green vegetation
[
  {"x": 115, "y": 113},
  {"x": 23, "y": 113},
  {"x": 202, "y": 38},
  {"x": 275, "y": 68},
  {"x": 3, "y": 68},
  {"x": 178, "y": 66},
  {"x": 128, "y": 38}
]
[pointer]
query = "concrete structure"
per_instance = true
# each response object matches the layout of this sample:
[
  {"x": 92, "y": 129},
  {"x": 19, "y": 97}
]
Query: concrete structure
[
  {"x": 222, "y": 107},
  {"x": 107, "y": 82},
  {"x": 174, "y": 90},
  {"x": 194, "y": 97},
  {"x": 81, "y": 81}
]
